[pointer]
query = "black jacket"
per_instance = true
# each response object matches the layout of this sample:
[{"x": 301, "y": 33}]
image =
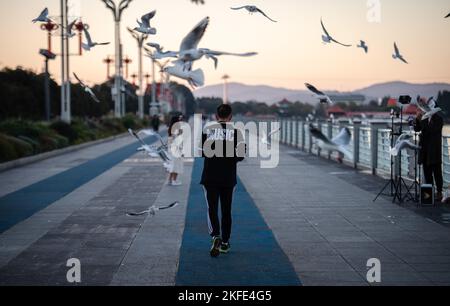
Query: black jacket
[
  {"x": 430, "y": 140},
  {"x": 223, "y": 147}
]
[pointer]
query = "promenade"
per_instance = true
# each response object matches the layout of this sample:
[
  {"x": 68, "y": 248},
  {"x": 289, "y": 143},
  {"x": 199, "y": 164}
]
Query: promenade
[{"x": 307, "y": 222}]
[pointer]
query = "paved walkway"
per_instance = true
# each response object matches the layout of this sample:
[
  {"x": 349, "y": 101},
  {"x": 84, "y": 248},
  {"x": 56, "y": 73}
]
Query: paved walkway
[
  {"x": 309, "y": 219},
  {"x": 256, "y": 258},
  {"x": 323, "y": 216}
]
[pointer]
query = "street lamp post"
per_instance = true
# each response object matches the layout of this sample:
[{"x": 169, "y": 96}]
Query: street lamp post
[
  {"x": 153, "y": 105},
  {"x": 48, "y": 55},
  {"x": 116, "y": 92},
  {"x": 225, "y": 88},
  {"x": 140, "y": 39}
]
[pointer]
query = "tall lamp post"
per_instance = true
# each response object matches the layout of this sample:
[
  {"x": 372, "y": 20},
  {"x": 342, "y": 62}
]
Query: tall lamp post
[
  {"x": 48, "y": 55},
  {"x": 116, "y": 92},
  {"x": 154, "y": 110},
  {"x": 225, "y": 79},
  {"x": 140, "y": 39}
]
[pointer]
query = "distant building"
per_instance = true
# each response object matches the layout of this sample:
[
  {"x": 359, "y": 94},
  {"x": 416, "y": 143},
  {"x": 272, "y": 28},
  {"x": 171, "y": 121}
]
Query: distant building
[
  {"x": 336, "y": 111},
  {"x": 283, "y": 106},
  {"x": 343, "y": 98}
]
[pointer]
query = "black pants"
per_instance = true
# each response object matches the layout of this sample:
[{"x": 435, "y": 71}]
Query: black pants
[
  {"x": 225, "y": 195},
  {"x": 434, "y": 171}
]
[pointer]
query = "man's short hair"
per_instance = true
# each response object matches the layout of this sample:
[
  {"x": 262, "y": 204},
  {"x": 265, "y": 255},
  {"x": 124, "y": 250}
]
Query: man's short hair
[{"x": 224, "y": 111}]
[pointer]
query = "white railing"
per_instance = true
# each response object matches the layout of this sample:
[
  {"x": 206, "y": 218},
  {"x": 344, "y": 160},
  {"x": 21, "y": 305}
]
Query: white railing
[
  {"x": 446, "y": 159},
  {"x": 372, "y": 145}
]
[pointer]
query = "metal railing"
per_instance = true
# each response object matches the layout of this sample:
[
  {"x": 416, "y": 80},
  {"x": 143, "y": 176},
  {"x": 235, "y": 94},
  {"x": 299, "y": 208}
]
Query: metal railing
[{"x": 370, "y": 146}]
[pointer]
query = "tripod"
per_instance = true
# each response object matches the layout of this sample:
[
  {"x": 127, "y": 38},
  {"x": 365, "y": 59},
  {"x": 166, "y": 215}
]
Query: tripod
[
  {"x": 417, "y": 174},
  {"x": 392, "y": 184},
  {"x": 399, "y": 180}
]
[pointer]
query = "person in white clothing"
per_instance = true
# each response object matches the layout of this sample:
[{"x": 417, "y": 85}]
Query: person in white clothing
[{"x": 175, "y": 144}]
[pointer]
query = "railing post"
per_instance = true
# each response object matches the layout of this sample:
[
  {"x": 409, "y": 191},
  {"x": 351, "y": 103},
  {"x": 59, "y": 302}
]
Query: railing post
[
  {"x": 356, "y": 144},
  {"x": 329, "y": 135},
  {"x": 374, "y": 148}
]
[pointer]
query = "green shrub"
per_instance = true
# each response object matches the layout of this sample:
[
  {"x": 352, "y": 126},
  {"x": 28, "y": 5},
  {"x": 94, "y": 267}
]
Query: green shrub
[
  {"x": 65, "y": 130},
  {"x": 7, "y": 151},
  {"x": 22, "y": 148},
  {"x": 35, "y": 144},
  {"x": 113, "y": 126},
  {"x": 130, "y": 122}
]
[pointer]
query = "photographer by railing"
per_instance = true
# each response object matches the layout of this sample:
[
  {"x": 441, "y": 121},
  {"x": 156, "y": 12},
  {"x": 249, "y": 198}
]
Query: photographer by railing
[{"x": 370, "y": 146}]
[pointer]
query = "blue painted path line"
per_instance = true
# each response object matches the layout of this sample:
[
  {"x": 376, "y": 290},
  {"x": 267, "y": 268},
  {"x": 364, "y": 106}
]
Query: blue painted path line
[
  {"x": 22, "y": 204},
  {"x": 256, "y": 259}
]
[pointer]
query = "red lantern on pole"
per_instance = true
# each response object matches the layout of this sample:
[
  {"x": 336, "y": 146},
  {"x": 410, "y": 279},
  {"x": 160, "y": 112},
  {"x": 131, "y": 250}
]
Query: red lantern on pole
[
  {"x": 49, "y": 27},
  {"x": 80, "y": 26},
  {"x": 108, "y": 61},
  {"x": 127, "y": 61}
]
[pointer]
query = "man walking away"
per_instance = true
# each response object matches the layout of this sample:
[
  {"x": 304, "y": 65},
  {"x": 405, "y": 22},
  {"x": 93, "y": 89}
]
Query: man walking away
[{"x": 223, "y": 148}]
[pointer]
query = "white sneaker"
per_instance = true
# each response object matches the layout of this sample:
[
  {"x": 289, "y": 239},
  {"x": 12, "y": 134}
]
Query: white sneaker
[{"x": 176, "y": 183}]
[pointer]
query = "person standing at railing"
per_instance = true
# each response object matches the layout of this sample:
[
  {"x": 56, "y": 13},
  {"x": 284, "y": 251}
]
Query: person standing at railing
[{"x": 430, "y": 155}]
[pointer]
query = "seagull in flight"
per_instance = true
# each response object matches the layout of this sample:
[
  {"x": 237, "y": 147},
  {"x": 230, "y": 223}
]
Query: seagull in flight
[
  {"x": 324, "y": 99},
  {"x": 327, "y": 38},
  {"x": 429, "y": 108},
  {"x": 189, "y": 51},
  {"x": 87, "y": 89},
  {"x": 253, "y": 9},
  {"x": 363, "y": 45},
  {"x": 90, "y": 44},
  {"x": 265, "y": 138},
  {"x": 403, "y": 142},
  {"x": 43, "y": 17},
  {"x": 195, "y": 78},
  {"x": 144, "y": 24},
  {"x": 397, "y": 54},
  {"x": 159, "y": 52},
  {"x": 337, "y": 144},
  {"x": 155, "y": 152},
  {"x": 70, "y": 33},
  {"x": 153, "y": 210}
]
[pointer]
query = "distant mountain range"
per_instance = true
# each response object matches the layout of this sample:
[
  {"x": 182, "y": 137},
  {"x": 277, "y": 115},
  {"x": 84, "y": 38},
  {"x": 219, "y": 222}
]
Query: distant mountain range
[{"x": 271, "y": 95}]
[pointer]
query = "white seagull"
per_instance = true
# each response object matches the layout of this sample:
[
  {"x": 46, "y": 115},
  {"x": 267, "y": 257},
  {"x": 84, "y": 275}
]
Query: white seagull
[
  {"x": 324, "y": 99},
  {"x": 253, "y": 9},
  {"x": 429, "y": 108},
  {"x": 189, "y": 51},
  {"x": 144, "y": 24},
  {"x": 69, "y": 31},
  {"x": 87, "y": 89},
  {"x": 90, "y": 44},
  {"x": 148, "y": 132},
  {"x": 363, "y": 45},
  {"x": 43, "y": 17},
  {"x": 160, "y": 53},
  {"x": 265, "y": 138},
  {"x": 403, "y": 142},
  {"x": 153, "y": 210},
  {"x": 155, "y": 152},
  {"x": 397, "y": 54},
  {"x": 210, "y": 54},
  {"x": 327, "y": 38},
  {"x": 195, "y": 78},
  {"x": 337, "y": 144}
]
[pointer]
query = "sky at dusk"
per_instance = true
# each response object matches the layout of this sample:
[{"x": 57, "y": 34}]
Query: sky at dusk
[{"x": 291, "y": 51}]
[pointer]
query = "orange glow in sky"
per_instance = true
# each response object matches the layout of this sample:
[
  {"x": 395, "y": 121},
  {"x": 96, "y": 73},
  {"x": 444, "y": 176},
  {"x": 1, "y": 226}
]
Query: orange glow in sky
[{"x": 291, "y": 51}]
